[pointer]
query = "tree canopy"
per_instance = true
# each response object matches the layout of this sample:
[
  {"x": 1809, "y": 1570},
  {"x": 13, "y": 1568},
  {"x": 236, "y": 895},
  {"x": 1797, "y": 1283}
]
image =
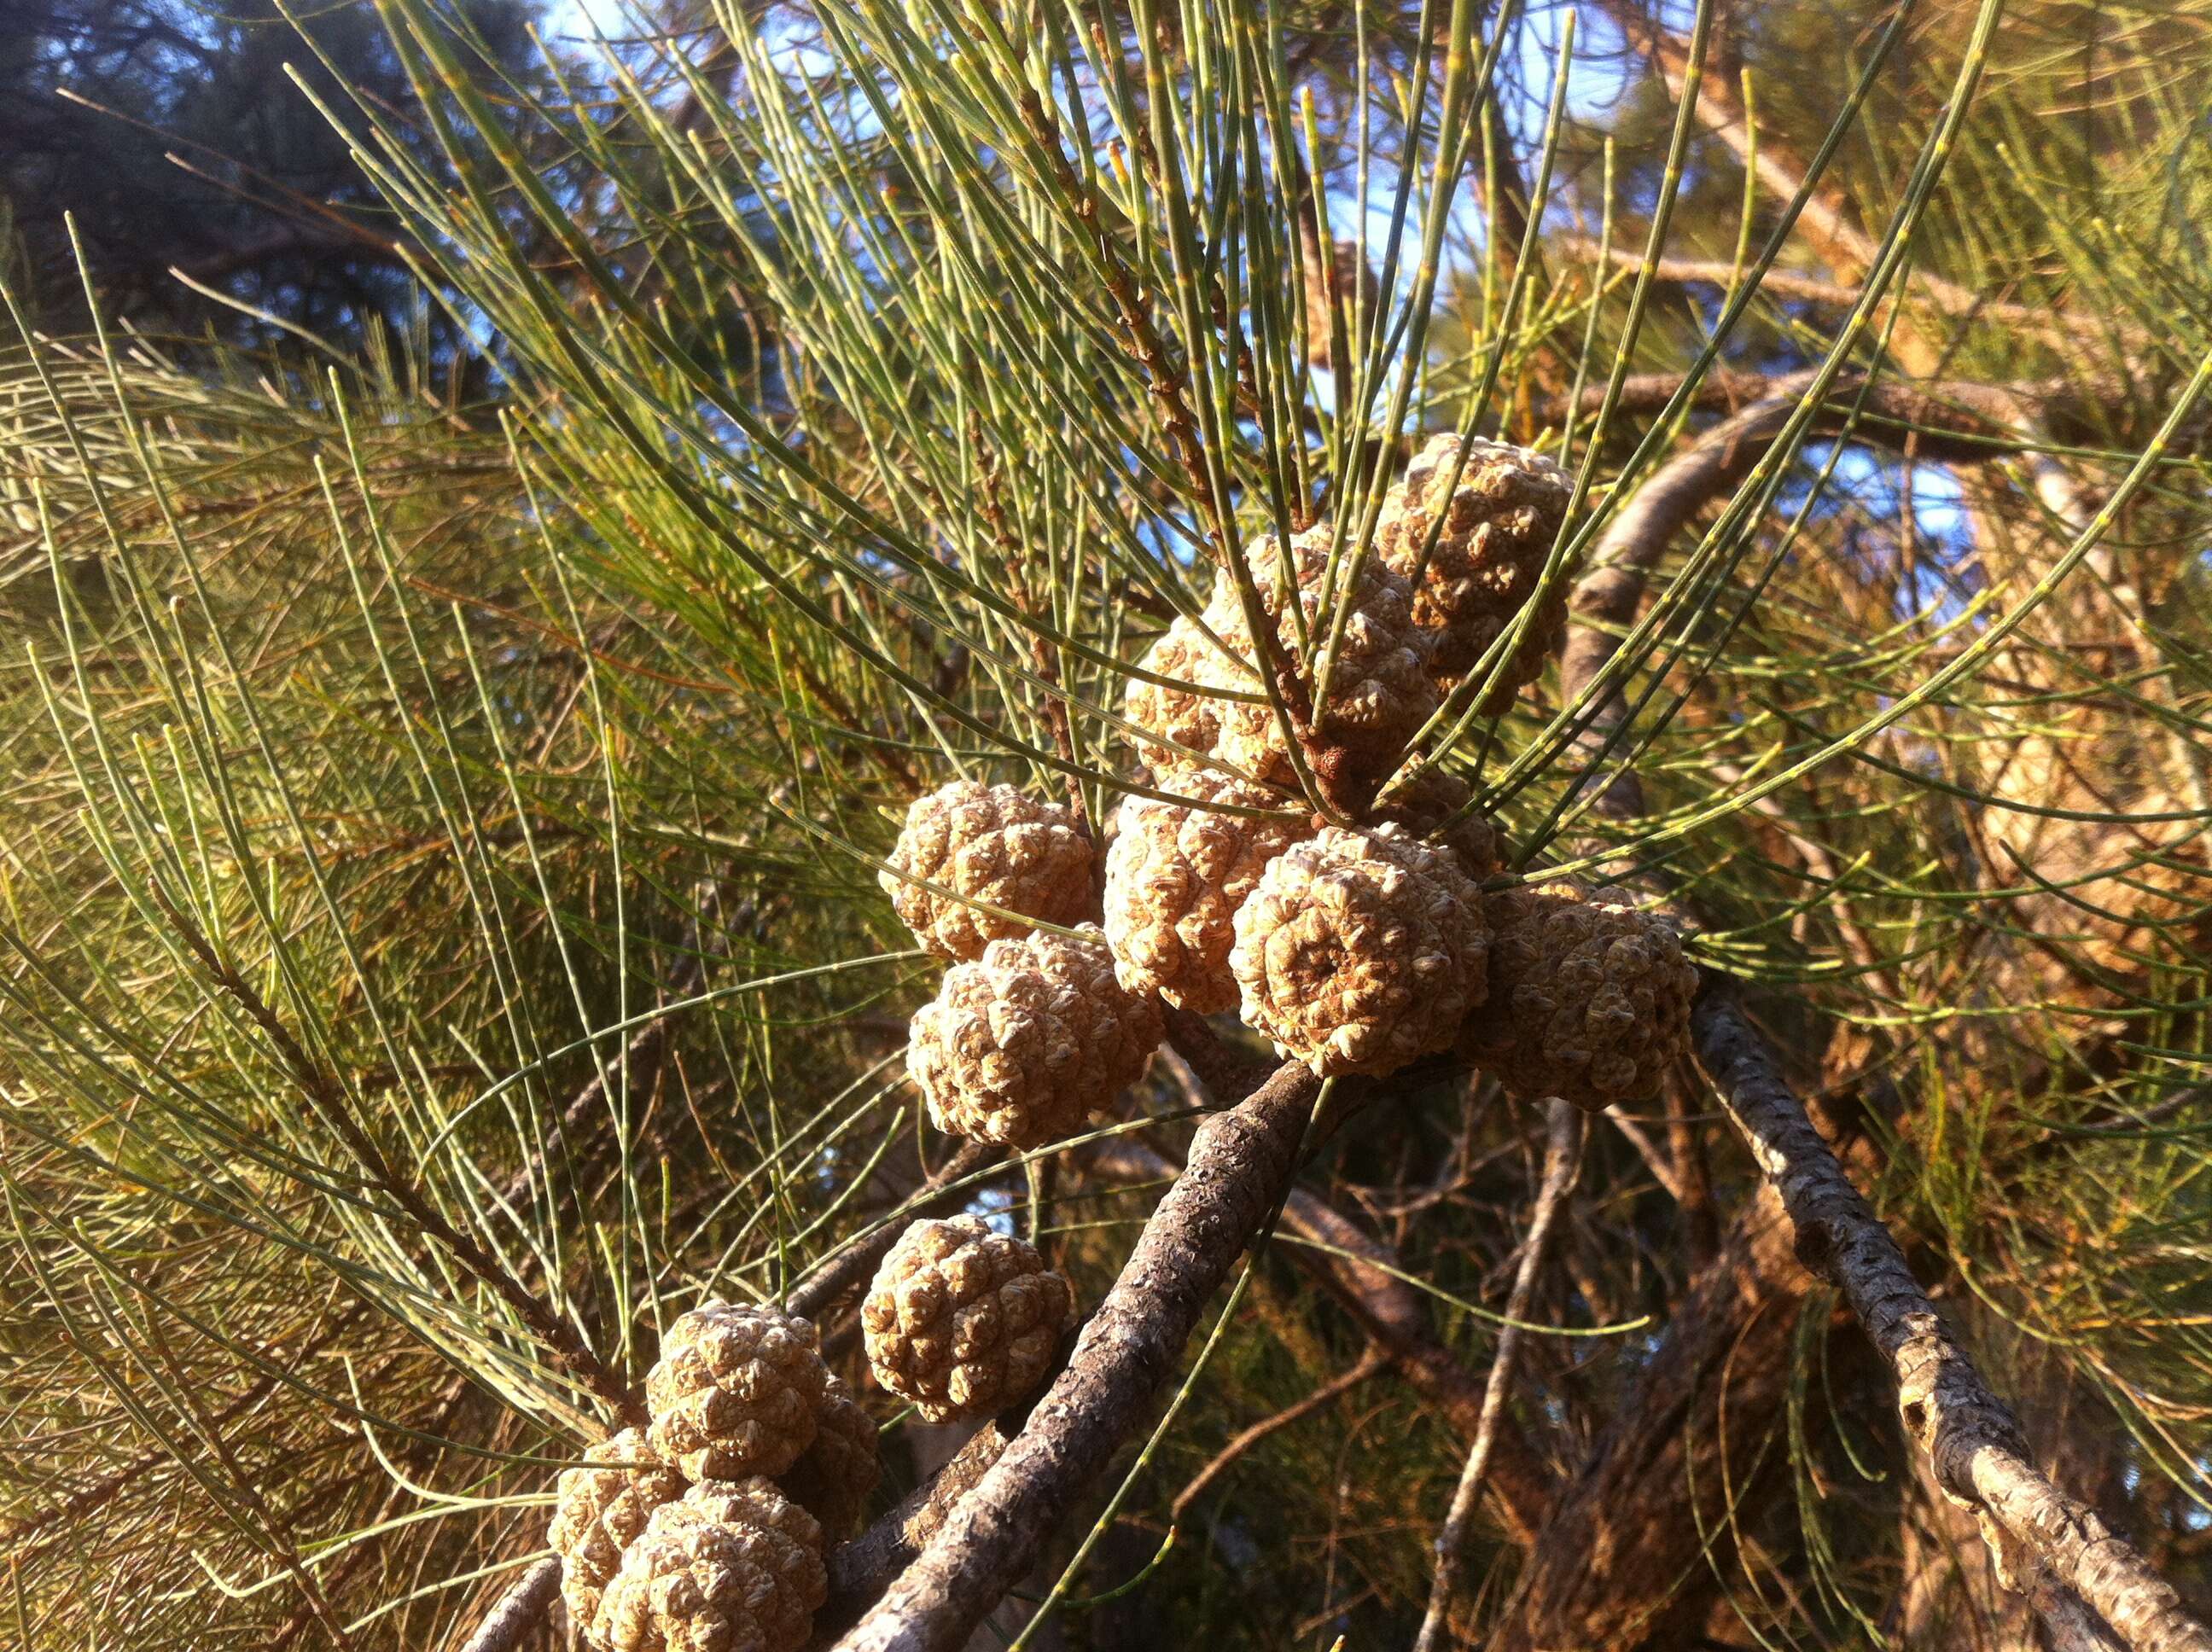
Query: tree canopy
[
  {"x": 174, "y": 134},
  {"x": 443, "y": 929}
]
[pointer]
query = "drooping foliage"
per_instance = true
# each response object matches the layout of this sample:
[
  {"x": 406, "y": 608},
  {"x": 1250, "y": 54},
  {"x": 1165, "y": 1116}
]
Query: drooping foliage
[{"x": 440, "y": 939}]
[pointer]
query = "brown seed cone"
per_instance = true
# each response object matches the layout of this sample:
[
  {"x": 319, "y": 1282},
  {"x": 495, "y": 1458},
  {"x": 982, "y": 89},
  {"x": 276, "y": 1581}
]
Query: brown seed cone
[
  {"x": 833, "y": 1479},
  {"x": 1498, "y": 525},
  {"x": 1359, "y": 951},
  {"x": 1190, "y": 718},
  {"x": 1590, "y": 997},
  {"x": 736, "y": 1392},
  {"x": 1031, "y": 1042},
  {"x": 962, "y": 1321},
  {"x": 992, "y": 844},
  {"x": 598, "y": 1512},
  {"x": 1176, "y": 874},
  {"x": 790, "y": 1542},
  {"x": 1424, "y": 806},
  {"x": 731, "y": 1567},
  {"x": 1378, "y": 693}
]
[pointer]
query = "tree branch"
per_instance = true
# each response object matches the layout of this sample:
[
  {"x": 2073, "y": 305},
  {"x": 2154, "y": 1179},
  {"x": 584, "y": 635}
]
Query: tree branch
[
  {"x": 519, "y": 1610},
  {"x": 2037, "y": 1534},
  {"x": 1562, "y": 1158},
  {"x": 1239, "y": 1168},
  {"x": 2048, "y": 1546},
  {"x": 1958, "y": 420},
  {"x": 860, "y": 1570}
]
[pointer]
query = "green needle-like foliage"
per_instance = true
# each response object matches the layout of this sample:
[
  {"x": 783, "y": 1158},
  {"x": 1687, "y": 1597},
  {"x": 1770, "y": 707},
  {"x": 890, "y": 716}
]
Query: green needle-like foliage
[{"x": 439, "y": 931}]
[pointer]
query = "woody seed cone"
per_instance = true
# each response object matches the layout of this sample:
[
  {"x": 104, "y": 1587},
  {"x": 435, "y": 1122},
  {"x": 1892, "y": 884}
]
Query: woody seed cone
[
  {"x": 963, "y": 1320},
  {"x": 1590, "y": 998},
  {"x": 1359, "y": 951},
  {"x": 992, "y": 844},
  {"x": 736, "y": 1392},
  {"x": 1176, "y": 874},
  {"x": 789, "y": 1541},
  {"x": 1378, "y": 692},
  {"x": 1498, "y": 524},
  {"x": 730, "y": 1567},
  {"x": 1031, "y": 1042},
  {"x": 1424, "y": 806},
  {"x": 598, "y": 1512},
  {"x": 833, "y": 1478},
  {"x": 1188, "y": 717}
]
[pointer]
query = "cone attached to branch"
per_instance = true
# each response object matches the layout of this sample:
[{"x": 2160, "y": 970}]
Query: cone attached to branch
[
  {"x": 598, "y": 1512},
  {"x": 1438, "y": 807},
  {"x": 1377, "y": 692},
  {"x": 1186, "y": 718},
  {"x": 1031, "y": 1042},
  {"x": 730, "y": 1567},
  {"x": 992, "y": 844},
  {"x": 1359, "y": 951},
  {"x": 833, "y": 1478},
  {"x": 1589, "y": 996},
  {"x": 738, "y": 1391},
  {"x": 962, "y": 1321},
  {"x": 1176, "y": 874},
  {"x": 788, "y": 1541},
  {"x": 1494, "y": 531}
]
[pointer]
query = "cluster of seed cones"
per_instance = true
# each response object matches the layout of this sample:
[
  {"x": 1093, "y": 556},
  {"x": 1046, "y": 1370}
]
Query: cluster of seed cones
[
  {"x": 706, "y": 1530},
  {"x": 1356, "y": 948},
  {"x": 706, "y": 1527}
]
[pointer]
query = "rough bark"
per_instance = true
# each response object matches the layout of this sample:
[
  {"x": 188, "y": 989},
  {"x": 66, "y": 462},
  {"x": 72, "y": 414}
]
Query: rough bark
[
  {"x": 2040, "y": 1537},
  {"x": 1239, "y": 1167},
  {"x": 521, "y": 1610},
  {"x": 860, "y": 1570}
]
